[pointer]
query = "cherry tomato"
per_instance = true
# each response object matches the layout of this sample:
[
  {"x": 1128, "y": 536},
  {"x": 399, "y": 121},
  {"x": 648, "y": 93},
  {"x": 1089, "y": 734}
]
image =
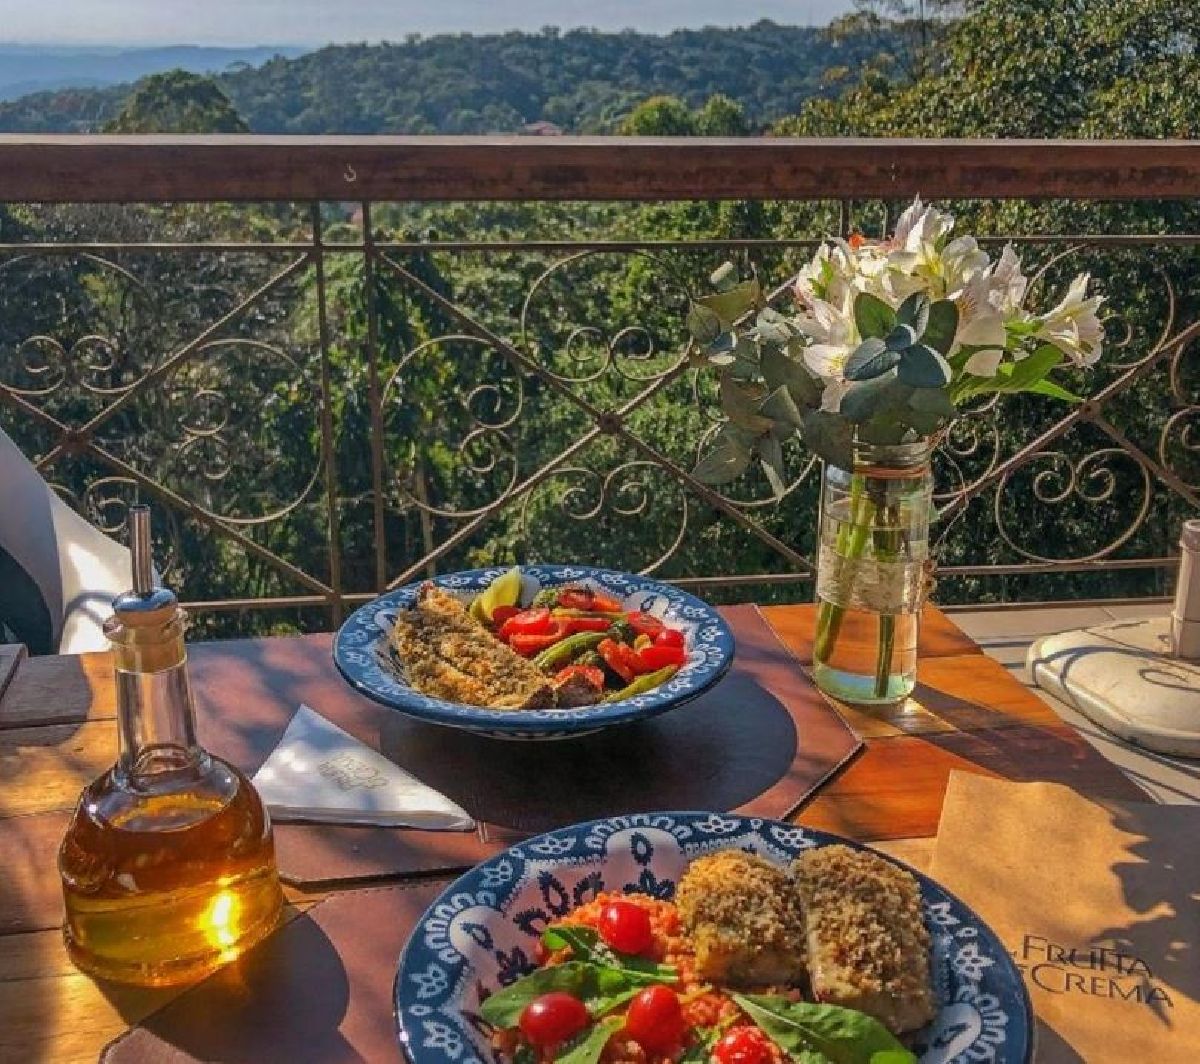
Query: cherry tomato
[
  {"x": 653, "y": 658},
  {"x": 743, "y": 1045},
  {"x": 553, "y": 1018},
  {"x": 529, "y": 643},
  {"x": 502, "y": 613},
  {"x": 655, "y": 1019},
  {"x": 669, "y": 637},
  {"x": 527, "y": 622},
  {"x": 644, "y": 623},
  {"x": 625, "y": 926}
]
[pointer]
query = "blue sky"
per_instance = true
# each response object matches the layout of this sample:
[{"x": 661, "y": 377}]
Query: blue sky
[{"x": 243, "y": 22}]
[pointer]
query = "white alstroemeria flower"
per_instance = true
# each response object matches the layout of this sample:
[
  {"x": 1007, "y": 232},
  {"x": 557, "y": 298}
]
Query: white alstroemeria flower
[
  {"x": 919, "y": 225},
  {"x": 833, "y": 334},
  {"x": 988, "y": 300},
  {"x": 1073, "y": 326},
  {"x": 1007, "y": 284},
  {"x": 832, "y": 394},
  {"x": 830, "y": 275}
]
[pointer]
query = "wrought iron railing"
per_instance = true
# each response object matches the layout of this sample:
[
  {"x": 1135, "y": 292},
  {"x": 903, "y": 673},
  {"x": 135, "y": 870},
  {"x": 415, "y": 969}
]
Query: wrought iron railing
[{"x": 324, "y": 398}]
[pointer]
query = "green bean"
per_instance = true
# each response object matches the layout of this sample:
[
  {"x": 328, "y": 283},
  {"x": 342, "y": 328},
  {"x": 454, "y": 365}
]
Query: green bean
[
  {"x": 564, "y": 650},
  {"x": 642, "y": 684}
]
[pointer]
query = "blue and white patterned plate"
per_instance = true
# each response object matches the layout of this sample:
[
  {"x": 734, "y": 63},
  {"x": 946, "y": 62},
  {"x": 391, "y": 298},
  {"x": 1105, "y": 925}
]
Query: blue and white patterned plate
[
  {"x": 480, "y": 933},
  {"x": 363, "y": 657}
]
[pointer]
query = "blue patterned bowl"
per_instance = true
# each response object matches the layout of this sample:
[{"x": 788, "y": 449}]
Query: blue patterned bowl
[
  {"x": 363, "y": 657},
  {"x": 480, "y": 933}
]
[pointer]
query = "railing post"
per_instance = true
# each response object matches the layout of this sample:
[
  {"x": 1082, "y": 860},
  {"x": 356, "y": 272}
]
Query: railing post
[
  {"x": 374, "y": 398},
  {"x": 328, "y": 452}
]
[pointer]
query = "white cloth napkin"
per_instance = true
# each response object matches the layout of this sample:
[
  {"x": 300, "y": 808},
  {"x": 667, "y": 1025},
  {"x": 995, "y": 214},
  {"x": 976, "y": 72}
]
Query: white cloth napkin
[{"x": 320, "y": 773}]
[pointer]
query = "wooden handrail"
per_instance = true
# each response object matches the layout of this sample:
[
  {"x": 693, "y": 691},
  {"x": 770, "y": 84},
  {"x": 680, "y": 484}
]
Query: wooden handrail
[{"x": 156, "y": 169}]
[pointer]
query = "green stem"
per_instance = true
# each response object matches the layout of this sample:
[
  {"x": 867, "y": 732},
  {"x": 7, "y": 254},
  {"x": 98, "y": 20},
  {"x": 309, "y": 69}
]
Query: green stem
[
  {"x": 887, "y": 548},
  {"x": 851, "y": 542}
]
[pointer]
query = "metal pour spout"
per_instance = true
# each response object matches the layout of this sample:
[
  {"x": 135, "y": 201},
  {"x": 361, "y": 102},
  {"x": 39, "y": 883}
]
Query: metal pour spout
[{"x": 139, "y": 548}]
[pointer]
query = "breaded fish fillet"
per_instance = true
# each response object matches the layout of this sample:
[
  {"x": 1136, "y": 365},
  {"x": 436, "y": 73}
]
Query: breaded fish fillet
[
  {"x": 447, "y": 654},
  {"x": 868, "y": 948},
  {"x": 744, "y": 920}
]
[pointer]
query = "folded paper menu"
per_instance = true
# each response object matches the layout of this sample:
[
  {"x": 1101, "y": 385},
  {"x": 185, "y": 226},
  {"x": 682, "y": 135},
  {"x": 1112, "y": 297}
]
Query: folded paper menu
[
  {"x": 319, "y": 772},
  {"x": 1099, "y": 906}
]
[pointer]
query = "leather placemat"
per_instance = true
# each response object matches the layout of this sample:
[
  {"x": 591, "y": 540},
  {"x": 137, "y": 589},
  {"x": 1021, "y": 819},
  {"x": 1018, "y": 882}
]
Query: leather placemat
[
  {"x": 320, "y": 988},
  {"x": 759, "y": 742}
]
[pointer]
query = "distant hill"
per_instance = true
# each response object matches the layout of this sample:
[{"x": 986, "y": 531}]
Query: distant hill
[
  {"x": 582, "y": 81},
  {"x": 31, "y": 68}
]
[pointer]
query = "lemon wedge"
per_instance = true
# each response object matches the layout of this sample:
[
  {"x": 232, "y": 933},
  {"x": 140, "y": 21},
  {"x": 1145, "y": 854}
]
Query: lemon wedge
[{"x": 505, "y": 590}]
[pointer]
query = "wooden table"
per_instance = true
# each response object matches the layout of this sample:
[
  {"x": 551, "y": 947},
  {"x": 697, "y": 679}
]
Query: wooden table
[{"x": 57, "y": 731}]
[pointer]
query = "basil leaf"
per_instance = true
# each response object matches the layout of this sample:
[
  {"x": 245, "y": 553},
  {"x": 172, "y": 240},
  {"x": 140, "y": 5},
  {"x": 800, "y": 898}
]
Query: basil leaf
[
  {"x": 823, "y": 1034},
  {"x": 585, "y": 945},
  {"x": 503, "y": 1009},
  {"x": 587, "y": 1047},
  {"x": 525, "y": 1055}
]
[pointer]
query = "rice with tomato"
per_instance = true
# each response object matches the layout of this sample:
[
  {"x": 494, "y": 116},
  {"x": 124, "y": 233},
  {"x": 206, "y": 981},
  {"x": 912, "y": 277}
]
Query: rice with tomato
[{"x": 705, "y": 1007}]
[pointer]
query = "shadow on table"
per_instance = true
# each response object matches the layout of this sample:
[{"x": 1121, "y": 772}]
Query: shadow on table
[
  {"x": 719, "y": 752},
  {"x": 1160, "y": 882},
  {"x": 285, "y": 1000}
]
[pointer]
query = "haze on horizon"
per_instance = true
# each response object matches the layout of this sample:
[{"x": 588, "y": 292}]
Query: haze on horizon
[{"x": 318, "y": 22}]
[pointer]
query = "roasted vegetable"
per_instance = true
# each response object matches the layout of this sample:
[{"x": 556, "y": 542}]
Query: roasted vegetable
[{"x": 643, "y": 684}]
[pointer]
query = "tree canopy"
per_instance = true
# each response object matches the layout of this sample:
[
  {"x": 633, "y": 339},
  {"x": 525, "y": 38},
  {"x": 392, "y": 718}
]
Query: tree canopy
[{"x": 177, "y": 102}]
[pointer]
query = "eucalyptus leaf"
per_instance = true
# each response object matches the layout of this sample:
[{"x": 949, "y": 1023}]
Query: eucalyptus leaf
[
  {"x": 703, "y": 324},
  {"x": 914, "y": 311},
  {"x": 586, "y": 1048},
  {"x": 720, "y": 351},
  {"x": 822, "y": 1034},
  {"x": 871, "y": 358},
  {"x": 724, "y": 277},
  {"x": 900, "y": 338},
  {"x": 941, "y": 326},
  {"x": 773, "y": 327},
  {"x": 734, "y": 302},
  {"x": 873, "y": 316},
  {"x": 830, "y": 437},
  {"x": 876, "y": 396},
  {"x": 726, "y": 460},
  {"x": 740, "y": 402},
  {"x": 780, "y": 406},
  {"x": 779, "y": 369},
  {"x": 923, "y": 367},
  {"x": 770, "y": 450},
  {"x": 932, "y": 401}
]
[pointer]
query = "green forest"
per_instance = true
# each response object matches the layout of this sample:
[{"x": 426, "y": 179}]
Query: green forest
[
  {"x": 237, "y": 427},
  {"x": 583, "y": 81}
]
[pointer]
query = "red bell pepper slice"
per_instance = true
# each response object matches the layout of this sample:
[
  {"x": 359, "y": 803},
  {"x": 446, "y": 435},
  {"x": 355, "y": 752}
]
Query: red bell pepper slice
[
  {"x": 534, "y": 621},
  {"x": 502, "y": 613},
  {"x": 571, "y": 625},
  {"x": 657, "y": 656},
  {"x": 592, "y": 673},
  {"x": 644, "y": 623},
  {"x": 529, "y": 643},
  {"x": 619, "y": 658},
  {"x": 669, "y": 637}
]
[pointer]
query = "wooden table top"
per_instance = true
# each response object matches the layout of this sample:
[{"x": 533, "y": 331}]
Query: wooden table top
[{"x": 58, "y": 731}]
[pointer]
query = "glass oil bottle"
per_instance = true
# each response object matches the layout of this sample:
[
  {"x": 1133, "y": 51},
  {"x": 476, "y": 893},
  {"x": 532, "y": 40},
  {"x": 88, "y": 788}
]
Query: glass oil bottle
[{"x": 168, "y": 864}]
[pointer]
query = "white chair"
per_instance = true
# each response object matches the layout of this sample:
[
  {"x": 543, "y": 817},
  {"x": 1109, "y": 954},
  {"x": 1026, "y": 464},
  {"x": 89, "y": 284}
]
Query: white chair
[{"x": 58, "y": 574}]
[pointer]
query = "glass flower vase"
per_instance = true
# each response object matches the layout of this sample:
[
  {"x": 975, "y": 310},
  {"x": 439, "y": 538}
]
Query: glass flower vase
[{"x": 872, "y": 572}]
